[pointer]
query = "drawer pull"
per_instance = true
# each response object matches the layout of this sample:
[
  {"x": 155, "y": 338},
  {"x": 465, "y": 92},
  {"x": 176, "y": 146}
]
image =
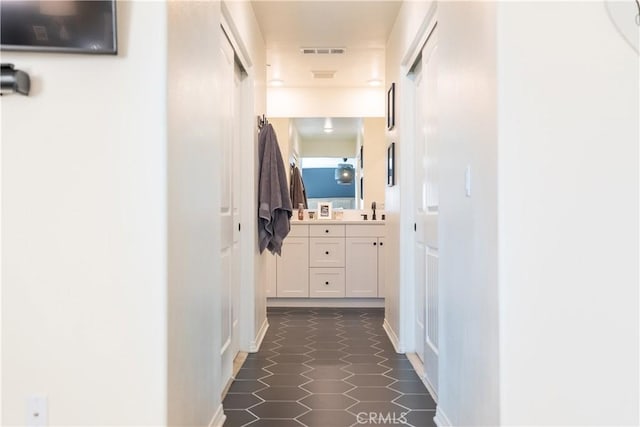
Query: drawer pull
[
  {"x": 381, "y": 243},
  {"x": 326, "y": 252},
  {"x": 326, "y": 231},
  {"x": 374, "y": 243},
  {"x": 326, "y": 283}
]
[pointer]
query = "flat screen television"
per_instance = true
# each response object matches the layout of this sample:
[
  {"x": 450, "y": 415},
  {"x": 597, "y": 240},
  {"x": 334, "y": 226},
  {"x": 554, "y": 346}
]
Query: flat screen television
[{"x": 59, "y": 26}]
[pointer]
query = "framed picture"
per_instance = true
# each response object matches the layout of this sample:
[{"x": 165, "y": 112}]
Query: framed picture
[
  {"x": 361, "y": 157},
  {"x": 391, "y": 165},
  {"x": 361, "y": 188},
  {"x": 324, "y": 210},
  {"x": 391, "y": 106}
]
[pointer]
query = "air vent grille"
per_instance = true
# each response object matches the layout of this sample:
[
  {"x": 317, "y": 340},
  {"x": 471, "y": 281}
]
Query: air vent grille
[
  {"x": 323, "y": 50},
  {"x": 323, "y": 74}
]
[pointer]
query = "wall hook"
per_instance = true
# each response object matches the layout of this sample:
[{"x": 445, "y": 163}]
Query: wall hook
[{"x": 12, "y": 80}]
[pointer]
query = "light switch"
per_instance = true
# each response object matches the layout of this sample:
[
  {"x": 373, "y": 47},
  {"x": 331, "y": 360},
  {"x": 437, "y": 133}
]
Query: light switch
[
  {"x": 37, "y": 411},
  {"x": 467, "y": 181}
]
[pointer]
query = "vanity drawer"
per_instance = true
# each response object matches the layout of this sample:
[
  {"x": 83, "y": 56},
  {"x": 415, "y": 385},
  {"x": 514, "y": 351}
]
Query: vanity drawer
[
  {"x": 298, "y": 230},
  {"x": 326, "y": 230},
  {"x": 326, "y": 252},
  {"x": 326, "y": 283},
  {"x": 365, "y": 230}
]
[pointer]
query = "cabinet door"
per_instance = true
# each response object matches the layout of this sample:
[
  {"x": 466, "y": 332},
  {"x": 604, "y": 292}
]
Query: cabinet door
[
  {"x": 292, "y": 268},
  {"x": 362, "y": 267},
  {"x": 382, "y": 266}
]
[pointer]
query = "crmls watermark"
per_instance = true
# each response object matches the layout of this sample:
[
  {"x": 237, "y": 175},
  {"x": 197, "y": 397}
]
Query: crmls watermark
[{"x": 373, "y": 418}]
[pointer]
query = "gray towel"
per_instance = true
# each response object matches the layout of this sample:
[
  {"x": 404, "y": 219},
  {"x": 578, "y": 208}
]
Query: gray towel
[
  {"x": 274, "y": 203},
  {"x": 298, "y": 193}
]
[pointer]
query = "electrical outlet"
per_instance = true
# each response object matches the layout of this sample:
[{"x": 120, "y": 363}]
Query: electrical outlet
[{"x": 37, "y": 411}]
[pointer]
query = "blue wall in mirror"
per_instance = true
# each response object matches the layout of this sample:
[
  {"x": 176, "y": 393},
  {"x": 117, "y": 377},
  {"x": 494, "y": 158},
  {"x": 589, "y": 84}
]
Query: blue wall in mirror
[{"x": 321, "y": 183}]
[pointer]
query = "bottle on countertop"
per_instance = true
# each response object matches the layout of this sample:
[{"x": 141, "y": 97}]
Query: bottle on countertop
[{"x": 300, "y": 211}]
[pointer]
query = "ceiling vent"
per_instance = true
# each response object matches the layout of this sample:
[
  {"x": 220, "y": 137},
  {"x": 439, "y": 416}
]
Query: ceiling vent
[
  {"x": 327, "y": 74},
  {"x": 322, "y": 50}
]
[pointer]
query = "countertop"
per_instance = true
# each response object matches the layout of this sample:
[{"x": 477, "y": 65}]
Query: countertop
[{"x": 336, "y": 222}]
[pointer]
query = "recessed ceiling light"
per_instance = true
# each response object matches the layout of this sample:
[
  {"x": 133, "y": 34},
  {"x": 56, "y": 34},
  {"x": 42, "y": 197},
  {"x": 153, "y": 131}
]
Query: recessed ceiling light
[
  {"x": 276, "y": 82},
  {"x": 375, "y": 82},
  {"x": 328, "y": 130}
]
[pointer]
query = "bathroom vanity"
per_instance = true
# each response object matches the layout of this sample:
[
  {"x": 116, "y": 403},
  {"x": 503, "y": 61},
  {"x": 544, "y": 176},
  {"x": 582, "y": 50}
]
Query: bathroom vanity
[{"x": 330, "y": 259}]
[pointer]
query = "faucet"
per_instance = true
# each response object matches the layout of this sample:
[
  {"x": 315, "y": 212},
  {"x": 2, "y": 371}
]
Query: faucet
[{"x": 373, "y": 207}]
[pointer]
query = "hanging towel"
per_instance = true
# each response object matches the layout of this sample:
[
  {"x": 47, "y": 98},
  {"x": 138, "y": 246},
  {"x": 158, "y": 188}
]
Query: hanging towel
[
  {"x": 274, "y": 202},
  {"x": 297, "y": 192}
]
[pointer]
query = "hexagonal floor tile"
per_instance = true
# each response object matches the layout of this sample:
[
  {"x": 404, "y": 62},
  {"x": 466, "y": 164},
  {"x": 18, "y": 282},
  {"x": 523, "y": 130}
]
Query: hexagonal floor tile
[
  {"x": 416, "y": 402},
  {"x": 251, "y": 374},
  {"x": 403, "y": 375},
  {"x": 327, "y": 354},
  {"x": 421, "y": 418},
  {"x": 288, "y": 368},
  {"x": 373, "y": 394},
  {"x": 327, "y": 373},
  {"x": 282, "y": 393},
  {"x": 366, "y": 368},
  {"x": 328, "y": 418},
  {"x": 290, "y": 358},
  {"x": 278, "y": 410},
  {"x": 238, "y": 418},
  {"x": 383, "y": 409},
  {"x": 409, "y": 387},
  {"x": 327, "y": 386},
  {"x": 328, "y": 401},
  {"x": 246, "y": 386},
  {"x": 363, "y": 358},
  {"x": 369, "y": 380},
  {"x": 240, "y": 401},
  {"x": 285, "y": 380}
]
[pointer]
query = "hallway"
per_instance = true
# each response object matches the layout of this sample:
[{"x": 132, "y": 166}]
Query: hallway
[{"x": 327, "y": 368}]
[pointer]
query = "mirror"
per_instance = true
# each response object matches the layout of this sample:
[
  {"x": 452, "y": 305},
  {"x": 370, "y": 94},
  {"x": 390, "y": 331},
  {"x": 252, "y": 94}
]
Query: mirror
[{"x": 342, "y": 159}]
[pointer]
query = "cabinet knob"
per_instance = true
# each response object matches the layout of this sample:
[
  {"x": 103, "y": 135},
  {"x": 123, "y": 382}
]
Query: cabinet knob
[
  {"x": 381, "y": 243},
  {"x": 374, "y": 243},
  {"x": 327, "y": 252},
  {"x": 326, "y": 231},
  {"x": 326, "y": 283}
]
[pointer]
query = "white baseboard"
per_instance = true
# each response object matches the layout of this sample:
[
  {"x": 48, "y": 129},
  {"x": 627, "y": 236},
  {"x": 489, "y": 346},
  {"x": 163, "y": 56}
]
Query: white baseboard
[
  {"x": 218, "y": 418},
  {"x": 257, "y": 342},
  {"x": 441, "y": 419},
  {"x": 326, "y": 302},
  {"x": 392, "y": 337},
  {"x": 418, "y": 366}
]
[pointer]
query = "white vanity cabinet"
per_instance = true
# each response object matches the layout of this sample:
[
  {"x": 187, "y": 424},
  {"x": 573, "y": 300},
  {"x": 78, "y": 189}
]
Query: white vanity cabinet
[
  {"x": 292, "y": 267},
  {"x": 331, "y": 260}
]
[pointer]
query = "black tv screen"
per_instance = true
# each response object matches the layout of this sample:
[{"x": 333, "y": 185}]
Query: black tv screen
[{"x": 85, "y": 26}]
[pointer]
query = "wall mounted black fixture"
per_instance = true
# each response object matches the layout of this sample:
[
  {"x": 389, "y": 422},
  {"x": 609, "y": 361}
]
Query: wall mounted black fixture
[{"x": 12, "y": 80}]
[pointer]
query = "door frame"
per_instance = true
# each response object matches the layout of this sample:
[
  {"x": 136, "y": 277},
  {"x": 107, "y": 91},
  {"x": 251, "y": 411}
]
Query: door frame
[
  {"x": 248, "y": 332},
  {"x": 407, "y": 211}
]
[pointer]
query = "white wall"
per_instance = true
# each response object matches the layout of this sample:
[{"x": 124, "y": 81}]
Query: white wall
[
  {"x": 194, "y": 289},
  {"x": 84, "y": 231},
  {"x": 568, "y": 167},
  {"x": 325, "y": 102},
  {"x": 375, "y": 161},
  {"x": 468, "y": 231},
  {"x": 326, "y": 147}
]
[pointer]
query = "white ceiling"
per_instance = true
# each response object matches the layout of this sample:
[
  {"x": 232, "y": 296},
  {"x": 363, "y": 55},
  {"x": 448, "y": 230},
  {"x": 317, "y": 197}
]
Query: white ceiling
[
  {"x": 362, "y": 27},
  {"x": 313, "y": 128}
]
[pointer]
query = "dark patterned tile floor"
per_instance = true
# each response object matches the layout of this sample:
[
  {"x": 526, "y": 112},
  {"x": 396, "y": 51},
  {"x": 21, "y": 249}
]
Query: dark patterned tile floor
[{"x": 327, "y": 368}]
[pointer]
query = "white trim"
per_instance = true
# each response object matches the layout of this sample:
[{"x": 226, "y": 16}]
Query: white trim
[
  {"x": 441, "y": 419},
  {"x": 257, "y": 342},
  {"x": 418, "y": 366},
  {"x": 326, "y": 302},
  {"x": 392, "y": 337},
  {"x": 422, "y": 35},
  {"x": 218, "y": 418},
  {"x": 233, "y": 34}
]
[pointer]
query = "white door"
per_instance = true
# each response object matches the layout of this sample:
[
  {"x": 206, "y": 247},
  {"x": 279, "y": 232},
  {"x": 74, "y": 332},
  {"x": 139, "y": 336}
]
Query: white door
[
  {"x": 426, "y": 213},
  {"x": 228, "y": 211}
]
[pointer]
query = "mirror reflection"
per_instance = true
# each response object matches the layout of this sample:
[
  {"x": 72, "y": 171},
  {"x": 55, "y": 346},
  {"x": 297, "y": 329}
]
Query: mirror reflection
[{"x": 341, "y": 159}]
